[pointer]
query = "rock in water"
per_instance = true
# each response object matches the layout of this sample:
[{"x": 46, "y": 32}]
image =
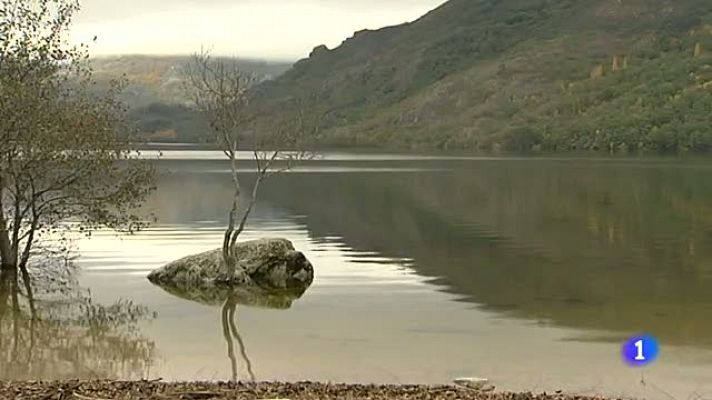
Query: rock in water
[
  {"x": 480, "y": 384},
  {"x": 273, "y": 263},
  {"x": 269, "y": 264}
]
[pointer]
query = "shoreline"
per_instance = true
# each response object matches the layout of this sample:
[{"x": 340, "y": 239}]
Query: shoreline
[
  {"x": 465, "y": 153},
  {"x": 143, "y": 390}
]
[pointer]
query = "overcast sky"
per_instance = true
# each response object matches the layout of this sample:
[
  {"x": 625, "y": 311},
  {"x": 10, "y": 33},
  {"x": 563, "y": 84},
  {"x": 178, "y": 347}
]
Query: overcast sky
[{"x": 272, "y": 29}]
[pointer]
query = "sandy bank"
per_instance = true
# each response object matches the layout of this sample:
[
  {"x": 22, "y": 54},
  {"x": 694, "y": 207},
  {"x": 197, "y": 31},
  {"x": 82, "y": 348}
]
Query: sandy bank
[{"x": 104, "y": 390}]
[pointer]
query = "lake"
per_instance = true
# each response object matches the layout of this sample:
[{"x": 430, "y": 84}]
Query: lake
[{"x": 529, "y": 271}]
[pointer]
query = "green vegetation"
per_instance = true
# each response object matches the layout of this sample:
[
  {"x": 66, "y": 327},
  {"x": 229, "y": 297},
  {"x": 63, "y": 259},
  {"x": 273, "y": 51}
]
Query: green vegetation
[
  {"x": 65, "y": 152},
  {"x": 516, "y": 75},
  {"x": 167, "y": 122},
  {"x": 157, "y": 97}
]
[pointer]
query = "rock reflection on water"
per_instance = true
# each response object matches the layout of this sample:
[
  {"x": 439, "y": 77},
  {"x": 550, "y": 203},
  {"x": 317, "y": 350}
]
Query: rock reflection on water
[
  {"x": 68, "y": 336},
  {"x": 251, "y": 296},
  {"x": 232, "y": 297}
]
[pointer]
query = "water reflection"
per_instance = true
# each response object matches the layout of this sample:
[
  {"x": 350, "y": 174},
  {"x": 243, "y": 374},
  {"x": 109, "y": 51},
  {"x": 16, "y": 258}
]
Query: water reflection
[
  {"x": 528, "y": 247},
  {"x": 229, "y": 327},
  {"x": 68, "y": 336},
  {"x": 621, "y": 247},
  {"x": 230, "y": 297}
]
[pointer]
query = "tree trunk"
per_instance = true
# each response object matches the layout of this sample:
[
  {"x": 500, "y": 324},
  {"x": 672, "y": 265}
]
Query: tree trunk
[
  {"x": 8, "y": 258},
  {"x": 8, "y": 261},
  {"x": 246, "y": 215},
  {"x": 227, "y": 252}
]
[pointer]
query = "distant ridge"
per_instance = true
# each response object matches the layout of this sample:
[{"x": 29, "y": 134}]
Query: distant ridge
[
  {"x": 156, "y": 97},
  {"x": 517, "y": 75}
]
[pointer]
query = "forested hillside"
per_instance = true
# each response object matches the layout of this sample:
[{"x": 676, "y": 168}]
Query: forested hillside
[
  {"x": 517, "y": 75},
  {"x": 156, "y": 96}
]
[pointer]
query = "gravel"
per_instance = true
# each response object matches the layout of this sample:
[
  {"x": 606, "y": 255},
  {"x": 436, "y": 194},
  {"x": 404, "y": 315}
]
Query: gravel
[{"x": 141, "y": 390}]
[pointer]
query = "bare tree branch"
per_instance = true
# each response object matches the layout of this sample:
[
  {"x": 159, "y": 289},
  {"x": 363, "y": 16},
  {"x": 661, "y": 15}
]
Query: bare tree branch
[
  {"x": 65, "y": 153},
  {"x": 220, "y": 91}
]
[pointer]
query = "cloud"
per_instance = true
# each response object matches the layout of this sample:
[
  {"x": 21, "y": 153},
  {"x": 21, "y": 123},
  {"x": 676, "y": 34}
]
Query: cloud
[
  {"x": 102, "y": 10},
  {"x": 278, "y": 29}
]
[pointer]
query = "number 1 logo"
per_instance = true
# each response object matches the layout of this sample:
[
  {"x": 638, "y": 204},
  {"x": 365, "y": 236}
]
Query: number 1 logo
[{"x": 640, "y": 351}]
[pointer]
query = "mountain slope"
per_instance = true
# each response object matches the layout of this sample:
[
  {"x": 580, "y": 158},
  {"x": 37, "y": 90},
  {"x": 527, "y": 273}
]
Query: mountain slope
[
  {"x": 157, "y": 100},
  {"x": 617, "y": 75}
]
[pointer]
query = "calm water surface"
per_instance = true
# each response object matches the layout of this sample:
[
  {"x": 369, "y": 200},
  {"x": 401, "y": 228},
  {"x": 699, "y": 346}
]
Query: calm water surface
[{"x": 530, "y": 272}]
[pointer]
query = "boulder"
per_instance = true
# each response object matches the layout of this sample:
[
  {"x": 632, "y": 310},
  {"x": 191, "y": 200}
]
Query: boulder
[
  {"x": 479, "y": 384},
  {"x": 264, "y": 266}
]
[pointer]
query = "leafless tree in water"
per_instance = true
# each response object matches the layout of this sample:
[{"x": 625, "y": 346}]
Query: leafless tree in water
[{"x": 220, "y": 91}]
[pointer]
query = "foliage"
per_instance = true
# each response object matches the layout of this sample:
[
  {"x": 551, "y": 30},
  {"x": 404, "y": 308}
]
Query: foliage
[
  {"x": 189, "y": 125},
  {"x": 156, "y": 92},
  {"x": 65, "y": 153},
  {"x": 517, "y": 75}
]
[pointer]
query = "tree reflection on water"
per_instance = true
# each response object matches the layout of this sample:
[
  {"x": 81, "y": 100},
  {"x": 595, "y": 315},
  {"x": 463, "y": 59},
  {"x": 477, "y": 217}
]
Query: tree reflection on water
[
  {"x": 229, "y": 298},
  {"x": 230, "y": 332},
  {"x": 60, "y": 333}
]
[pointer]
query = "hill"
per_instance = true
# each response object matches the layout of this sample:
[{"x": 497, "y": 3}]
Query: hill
[
  {"x": 547, "y": 75},
  {"x": 157, "y": 101}
]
